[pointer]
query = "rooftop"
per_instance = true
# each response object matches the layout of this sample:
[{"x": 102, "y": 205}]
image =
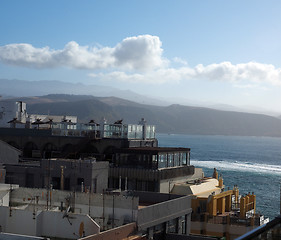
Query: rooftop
[{"x": 200, "y": 188}]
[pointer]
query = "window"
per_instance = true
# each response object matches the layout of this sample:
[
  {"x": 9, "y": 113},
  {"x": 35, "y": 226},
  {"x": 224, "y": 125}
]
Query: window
[
  {"x": 162, "y": 161},
  {"x": 56, "y": 182},
  {"x": 176, "y": 159},
  {"x": 170, "y": 160},
  {"x": 184, "y": 159},
  {"x": 80, "y": 181}
]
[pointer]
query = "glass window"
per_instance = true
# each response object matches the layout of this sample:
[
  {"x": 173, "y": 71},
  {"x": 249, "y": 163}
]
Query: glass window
[
  {"x": 162, "y": 161},
  {"x": 154, "y": 161},
  {"x": 170, "y": 160},
  {"x": 184, "y": 160},
  {"x": 176, "y": 159},
  {"x": 172, "y": 226}
]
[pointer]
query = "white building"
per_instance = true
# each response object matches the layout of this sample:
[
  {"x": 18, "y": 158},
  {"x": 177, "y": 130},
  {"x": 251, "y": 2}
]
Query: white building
[{"x": 12, "y": 113}]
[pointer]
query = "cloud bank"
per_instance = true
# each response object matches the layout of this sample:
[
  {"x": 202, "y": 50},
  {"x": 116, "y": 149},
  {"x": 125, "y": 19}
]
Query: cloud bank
[
  {"x": 134, "y": 53},
  {"x": 135, "y": 59},
  {"x": 225, "y": 71}
]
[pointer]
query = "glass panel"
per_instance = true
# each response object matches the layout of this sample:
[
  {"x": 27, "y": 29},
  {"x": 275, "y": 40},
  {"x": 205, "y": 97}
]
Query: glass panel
[
  {"x": 184, "y": 160},
  {"x": 154, "y": 161},
  {"x": 170, "y": 160},
  {"x": 162, "y": 161},
  {"x": 176, "y": 159}
]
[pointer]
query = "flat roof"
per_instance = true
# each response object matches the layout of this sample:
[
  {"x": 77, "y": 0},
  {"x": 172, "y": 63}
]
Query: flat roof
[{"x": 200, "y": 189}]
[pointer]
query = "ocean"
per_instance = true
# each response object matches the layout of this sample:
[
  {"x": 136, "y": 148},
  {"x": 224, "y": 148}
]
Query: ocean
[{"x": 252, "y": 163}]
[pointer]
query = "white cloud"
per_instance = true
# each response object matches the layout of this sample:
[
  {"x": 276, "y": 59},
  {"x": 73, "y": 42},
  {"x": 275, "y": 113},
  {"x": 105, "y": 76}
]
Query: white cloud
[
  {"x": 250, "y": 86},
  {"x": 136, "y": 59},
  {"x": 180, "y": 61},
  {"x": 143, "y": 52},
  {"x": 252, "y": 71},
  {"x": 158, "y": 76},
  {"x": 241, "y": 73},
  {"x": 26, "y": 55}
]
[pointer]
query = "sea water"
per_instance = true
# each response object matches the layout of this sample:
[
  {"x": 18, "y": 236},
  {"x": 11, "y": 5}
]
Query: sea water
[{"x": 252, "y": 163}]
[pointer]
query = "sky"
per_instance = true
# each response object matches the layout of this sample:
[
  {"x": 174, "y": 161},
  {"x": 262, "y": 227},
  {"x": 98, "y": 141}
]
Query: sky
[{"x": 201, "y": 51}]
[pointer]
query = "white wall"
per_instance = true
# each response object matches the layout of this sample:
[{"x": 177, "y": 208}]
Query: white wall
[
  {"x": 17, "y": 221},
  {"x": 100, "y": 173},
  {"x": 8, "y": 154},
  {"x": 124, "y": 208},
  {"x": 45, "y": 223},
  {"x": 10, "y": 110},
  {"x": 53, "y": 224},
  {"x": 4, "y": 198}
]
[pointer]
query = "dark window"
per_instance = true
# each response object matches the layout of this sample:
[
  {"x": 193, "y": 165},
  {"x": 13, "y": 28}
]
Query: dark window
[
  {"x": 56, "y": 182},
  {"x": 29, "y": 180},
  {"x": 80, "y": 181},
  {"x": 67, "y": 184}
]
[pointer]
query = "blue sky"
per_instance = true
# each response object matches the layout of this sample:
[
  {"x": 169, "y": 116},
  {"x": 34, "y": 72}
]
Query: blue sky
[{"x": 209, "y": 52}]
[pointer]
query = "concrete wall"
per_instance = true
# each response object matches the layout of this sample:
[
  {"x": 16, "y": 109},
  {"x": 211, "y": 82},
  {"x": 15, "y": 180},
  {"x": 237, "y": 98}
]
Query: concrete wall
[
  {"x": 17, "y": 221},
  {"x": 107, "y": 210},
  {"x": 18, "y": 174},
  {"x": 4, "y": 198},
  {"x": 118, "y": 233},
  {"x": 8, "y": 154},
  {"x": 46, "y": 223},
  {"x": 54, "y": 224},
  {"x": 100, "y": 173},
  {"x": 166, "y": 185},
  {"x": 94, "y": 174},
  {"x": 39, "y": 174},
  {"x": 163, "y": 212}
]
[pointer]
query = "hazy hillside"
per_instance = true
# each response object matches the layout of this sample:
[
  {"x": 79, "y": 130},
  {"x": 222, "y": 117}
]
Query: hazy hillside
[
  {"x": 171, "y": 119},
  {"x": 24, "y": 88}
]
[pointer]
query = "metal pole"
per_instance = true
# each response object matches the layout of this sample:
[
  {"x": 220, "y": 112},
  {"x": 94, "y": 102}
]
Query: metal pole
[
  {"x": 103, "y": 210},
  {"x": 113, "y": 212}
]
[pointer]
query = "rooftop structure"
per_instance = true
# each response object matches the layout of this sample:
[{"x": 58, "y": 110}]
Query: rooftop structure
[
  {"x": 64, "y": 174},
  {"x": 14, "y": 115},
  {"x": 72, "y": 215},
  {"x": 220, "y": 213},
  {"x": 47, "y": 136},
  {"x": 151, "y": 157}
]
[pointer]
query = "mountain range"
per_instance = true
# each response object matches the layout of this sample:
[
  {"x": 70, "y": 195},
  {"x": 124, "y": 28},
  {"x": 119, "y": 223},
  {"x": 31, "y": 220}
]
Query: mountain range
[
  {"x": 14, "y": 88},
  {"x": 168, "y": 119}
]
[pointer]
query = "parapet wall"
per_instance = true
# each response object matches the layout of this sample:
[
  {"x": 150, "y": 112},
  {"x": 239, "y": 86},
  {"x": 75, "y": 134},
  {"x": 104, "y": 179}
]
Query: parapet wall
[
  {"x": 108, "y": 210},
  {"x": 162, "y": 212}
]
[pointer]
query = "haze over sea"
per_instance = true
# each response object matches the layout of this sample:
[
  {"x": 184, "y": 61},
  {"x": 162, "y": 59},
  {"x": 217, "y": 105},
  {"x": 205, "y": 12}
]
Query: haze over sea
[{"x": 252, "y": 163}]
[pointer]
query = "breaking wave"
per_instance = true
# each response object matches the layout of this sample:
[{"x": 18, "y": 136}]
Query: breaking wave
[{"x": 239, "y": 166}]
